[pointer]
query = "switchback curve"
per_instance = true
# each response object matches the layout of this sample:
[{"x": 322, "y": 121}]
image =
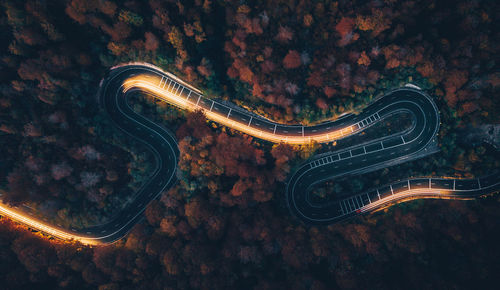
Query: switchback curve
[{"x": 415, "y": 143}]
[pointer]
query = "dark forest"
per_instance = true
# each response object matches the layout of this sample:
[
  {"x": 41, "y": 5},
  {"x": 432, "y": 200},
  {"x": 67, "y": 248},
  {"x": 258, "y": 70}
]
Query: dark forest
[{"x": 225, "y": 224}]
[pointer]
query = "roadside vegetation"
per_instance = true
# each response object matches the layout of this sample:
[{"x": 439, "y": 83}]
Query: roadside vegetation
[{"x": 225, "y": 224}]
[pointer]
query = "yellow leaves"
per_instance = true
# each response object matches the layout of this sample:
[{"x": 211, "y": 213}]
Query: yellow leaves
[
  {"x": 306, "y": 151},
  {"x": 244, "y": 9},
  {"x": 130, "y": 17},
  {"x": 376, "y": 22},
  {"x": 364, "y": 23},
  {"x": 204, "y": 153},
  {"x": 364, "y": 59},
  {"x": 175, "y": 38},
  {"x": 186, "y": 156}
]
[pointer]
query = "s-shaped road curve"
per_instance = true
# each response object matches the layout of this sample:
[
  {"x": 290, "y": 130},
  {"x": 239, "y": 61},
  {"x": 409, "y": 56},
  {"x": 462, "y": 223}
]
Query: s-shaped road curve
[{"x": 413, "y": 143}]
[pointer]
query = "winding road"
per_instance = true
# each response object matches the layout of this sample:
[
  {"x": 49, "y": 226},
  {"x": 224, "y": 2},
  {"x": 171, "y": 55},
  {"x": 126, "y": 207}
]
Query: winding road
[{"x": 416, "y": 142}]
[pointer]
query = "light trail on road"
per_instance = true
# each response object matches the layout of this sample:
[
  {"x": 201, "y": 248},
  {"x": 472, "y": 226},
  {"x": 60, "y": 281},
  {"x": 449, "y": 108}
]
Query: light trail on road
[
  {"x": 417, "y": 142},
  {"x": 149, "y": 84}
]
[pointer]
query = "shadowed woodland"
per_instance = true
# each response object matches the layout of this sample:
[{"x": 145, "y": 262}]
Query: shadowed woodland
[{"x": 225, "y": 224}]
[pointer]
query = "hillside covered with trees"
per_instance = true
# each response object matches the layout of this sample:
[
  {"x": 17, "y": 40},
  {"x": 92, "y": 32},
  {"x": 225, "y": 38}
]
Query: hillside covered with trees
[{"x": 225, "y": 224}]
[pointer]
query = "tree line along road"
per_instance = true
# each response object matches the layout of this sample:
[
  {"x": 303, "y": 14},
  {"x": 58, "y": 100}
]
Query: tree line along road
[{"x": 417, "y": 142}]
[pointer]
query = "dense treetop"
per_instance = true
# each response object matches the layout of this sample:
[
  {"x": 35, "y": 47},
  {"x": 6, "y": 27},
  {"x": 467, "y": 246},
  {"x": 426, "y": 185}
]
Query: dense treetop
[{"x": 225, "y": 224}]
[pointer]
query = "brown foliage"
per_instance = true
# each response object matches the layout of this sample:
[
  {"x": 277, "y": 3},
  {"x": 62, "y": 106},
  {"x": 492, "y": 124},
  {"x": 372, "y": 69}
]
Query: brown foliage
[
  {"x": 154, "y": 213},
  {"x": 321, "y": 104},
  {"x": 285, "y": 34},
  {"x": 454, "y": 81},
  {"x": 151, "y": 42},
  {"x": 292, "y": 60},
  {"x": 19, "y": 184},
  {"x": 329, "y": 91},
  {"x": 34, "y": 254},
  {"x": 195, "y": 126},
  {"x": 315, "y": 79},
  {"x": 216, "y": 227},
  {"x": 344, "y": 26}
]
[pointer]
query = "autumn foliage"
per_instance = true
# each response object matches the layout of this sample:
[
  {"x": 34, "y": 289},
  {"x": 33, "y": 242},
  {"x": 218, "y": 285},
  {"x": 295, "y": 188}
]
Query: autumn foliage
[
  {"x": 208, "y": 157},
  {"x": 292, "y": 59},
  {"x": 225, "y": 224}
]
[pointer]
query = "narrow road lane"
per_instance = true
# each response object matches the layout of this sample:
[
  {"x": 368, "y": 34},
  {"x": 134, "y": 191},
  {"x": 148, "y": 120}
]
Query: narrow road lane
[{"x": 416, "y": 142}]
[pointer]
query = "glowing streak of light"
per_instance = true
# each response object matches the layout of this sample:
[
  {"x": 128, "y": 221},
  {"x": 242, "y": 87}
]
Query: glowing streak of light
[
  {"x": 149, "y": 85},
  {"x": 49, "y": 229}
]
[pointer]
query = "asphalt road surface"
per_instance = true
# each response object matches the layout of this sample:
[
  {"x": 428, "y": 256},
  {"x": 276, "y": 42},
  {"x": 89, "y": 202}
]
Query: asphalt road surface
[{"x": 416, "y": 142}]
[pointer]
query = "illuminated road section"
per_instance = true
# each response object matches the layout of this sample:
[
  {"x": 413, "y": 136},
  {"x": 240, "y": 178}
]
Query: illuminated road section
[
  {"x": 256, "y": 126},
  {"x": 416, "y": 142}
]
